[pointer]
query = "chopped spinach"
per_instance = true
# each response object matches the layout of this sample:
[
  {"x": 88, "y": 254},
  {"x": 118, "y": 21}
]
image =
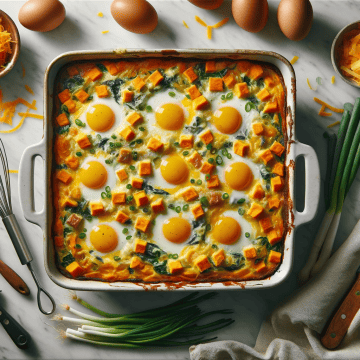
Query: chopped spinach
[
  {"x": 67, "y": 231},
  {"x": 150, "y": 189},
  {"x": 153, "y": 251},
  {"x": 82, "y": 209},
  {"x": 265, "y": 173},
  {"x": 65, "y": 110},
  {"x": 247, "y": 80},
  {"x": 101, "y": 144},
  {"x": 61, "y": 166},
  {"x": 161, "y": 268},
  {"x": 63, "y": 129},
  {"x": 115, "y": 86},
  {"x": 138, "y": 102},
  {"x": 200, "y": 68},
  {"x": 195, "y": 127},
  {"x": 101, "y": 67},
  {"x": 73, "y": 83},
  {"x": 67, "y": 260}
]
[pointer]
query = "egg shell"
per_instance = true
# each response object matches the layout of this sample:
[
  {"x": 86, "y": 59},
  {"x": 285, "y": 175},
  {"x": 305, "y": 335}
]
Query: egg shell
[
  {"x": 137, "y": 16},
  {"x": 207, "y": 4},
  {"x": 295, "y": 18},
  {"x": 251, "y": 15},
  {"x": 42, "y": 15}
]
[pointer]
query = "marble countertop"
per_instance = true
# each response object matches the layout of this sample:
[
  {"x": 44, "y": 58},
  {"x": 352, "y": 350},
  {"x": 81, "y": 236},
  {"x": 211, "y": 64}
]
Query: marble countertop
[{"x": 82, "y": 31}]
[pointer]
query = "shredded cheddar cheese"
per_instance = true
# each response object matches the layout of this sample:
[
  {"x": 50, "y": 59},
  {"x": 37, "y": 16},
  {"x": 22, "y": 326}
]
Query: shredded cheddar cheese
[
  {"x": 34, "y": 116},
  {"x": 5, "y": 44},
  {"x": 221, "y": 23},
  {"x": 352, "y": 73},
  {"x": 333, "y": 124},
  {"x": 100, "y": 14},
  {"x": 20, "y": 124},
  {"x": 13, "y": 171},
  {"x": 210, "y": 27},
  {"x": 200, "y": 21},
  {"x": 105, "y": 31},
  {"x": 333, "y": 79},
  {"x": 185, "y": 24},
  {"x": 29, "y": 89},
  {"x": 332, "y": 108},
  {"x": 294, "y": 60},
  {"x": 209, "y": 32},
  {"x": 309, "y": 85}
]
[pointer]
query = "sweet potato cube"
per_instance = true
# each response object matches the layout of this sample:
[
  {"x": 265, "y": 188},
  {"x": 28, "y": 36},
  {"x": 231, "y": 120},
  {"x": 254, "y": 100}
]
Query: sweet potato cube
[
  {"x": 74, "y": 220},
  {"x": 122, "y": 175},
  {"x": 155, "y": 145},
  {"x": 83, "y": 141},
  {"x": 118, "y": 198},
  {"x": 69, "y": 202},
  {"x": 274, "y": 203},
  {"x": 64, "y": 95},
  {"x": 266, "y": 156},
  {"x": 277, "y": 183},
  {"x": 124, "y": 156},
  {"x": 157, "y": 206},
  {"x": 269, "y": 81},
  {"x": 229, "y": 81},
  {"x": 277, "y": 148},
  {"x": 218, "y": 257},
  {"x": 140, "y": 198},
  {"x": 200, "y": 103},
  {"x": 72, "y": 162},
  {"x": 210, "y": 66},
  {"x": 215, "y": 198},
  {"x": 140, "y": 246},
  {"x": 213, "y": 182},
  {"x": 155, "y": 78},
  {"x": 241, "y": 90},
  {"x": 271, "y": 107},
  {"x": 274, "y": 236},
  {"x": 255, "y": 210},
  {"x": 138, "y": 83},
  {"x": 112, "y": 69},
  {"x": 274, "y": 257},
  {"x": 134, "y": 119},
  {"x": 72, "y": 71},
  {"x": 278, "y": 169},
  {"x": 137, "y": 183},
  {"x": 62, "y": 120},
  {"x": 94, "y": 74},
  {"x": 195, "y": 159},
  {"x": 174, "y": 266},
  {"x": 257, "y": 128},
  {"x": 142, "y": 224},
  {"x": 193, "y": 92},
  {"x": 190, "y": 194},
  {"x": 71, "y": 106},
  {"x": 96, "y": 208},
  {"x": 121, "y": 217},
  {"x": 241, "y": 148},
  {"x": 145, "y": 168},
  {"x": 265, "y": 224},
  {"x": 76, "y": 193},
  {"x": 59, "y": 241},
  {"x": 186, "y": 141},
  {"x": 263, "y": 95},
  {"x": 258, "y": 192},
  {"x": 216, "y": 84},
  {"x": 202, "y": 263},
  {"x": 207, "y": 137},
  {"x": 127, "y": 133},
  {"x": 190, "y": 74},
  {"x": 207, "y": 168},
  {"x": 64, "y": 177},
  {"x": 102, "y": 91},
  {"x": 136, "y": 263},
  {"x": 260, "y": 266},
  {"x": 197, "y": 211},
  {"x": 74, "y": 269},
  {"x": 127, "y": 95},
  {"x": 82, "y": 95},
  {"x": 249, "y": 252},
  {"x": 256, "y": 71}
]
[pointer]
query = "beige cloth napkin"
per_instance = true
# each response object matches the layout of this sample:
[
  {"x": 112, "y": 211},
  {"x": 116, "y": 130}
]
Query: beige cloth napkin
[{"x": 292, "y": 330}]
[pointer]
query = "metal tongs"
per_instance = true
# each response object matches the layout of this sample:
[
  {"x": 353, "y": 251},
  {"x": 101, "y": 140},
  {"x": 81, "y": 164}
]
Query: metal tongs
[{"x": 14, "y": 231}]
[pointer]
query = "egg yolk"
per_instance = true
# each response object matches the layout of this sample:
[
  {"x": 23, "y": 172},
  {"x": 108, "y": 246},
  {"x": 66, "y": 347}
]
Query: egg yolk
[
  {"x": 176, "y": 230},
  {"x": 174, "y": 170},
  {"x": 227, "y": 120},
  {"x": 103, "y": 238},
  {"x": 238, "y": 176},
  {"x": 93, "y": 174},
  {"x": 226, "y": 231},
  {"x": 170, "y": 116},
  {"x": 100, "y": 118}
]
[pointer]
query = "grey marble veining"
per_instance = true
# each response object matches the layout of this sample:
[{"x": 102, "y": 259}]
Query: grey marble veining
[{"x": 82, "y": 30}]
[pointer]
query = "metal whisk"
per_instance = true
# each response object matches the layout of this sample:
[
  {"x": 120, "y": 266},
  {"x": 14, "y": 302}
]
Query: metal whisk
[{"x": 13, "y": 228}]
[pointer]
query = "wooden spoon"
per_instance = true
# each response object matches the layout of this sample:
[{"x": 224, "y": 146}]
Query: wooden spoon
[{"x": 14, "y": 279}]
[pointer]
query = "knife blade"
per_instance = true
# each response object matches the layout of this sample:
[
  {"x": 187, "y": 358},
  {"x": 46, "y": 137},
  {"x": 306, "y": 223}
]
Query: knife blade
[
  {"x": 339, "y": 325},
  {"x": 14, "y": 279}
]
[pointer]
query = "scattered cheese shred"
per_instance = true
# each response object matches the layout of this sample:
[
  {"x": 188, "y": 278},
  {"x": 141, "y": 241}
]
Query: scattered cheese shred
[
  {"x": 333, "y": 79},
  {"x": 34, "y": 116},
  {"x": 209, "y": 32},
  {"x": 100, "y": 14},
  {"x": 105, "y": 31},
  {"x": 200, "y": 21},
  {"x": 13, "y": 171},
  {"x": 332, "y": 108},
  {"x": 333, "y": 124},
  {"x": 29, "y": 89},
  {"x": 294, "y": 60},
  {"x": 185, "y": 24},
  {"x": 221, "y": 23},
  {"x": 309, "y": 85},
  {"x": 353, "y": 73},
  {"x": 5, "y": 44}
]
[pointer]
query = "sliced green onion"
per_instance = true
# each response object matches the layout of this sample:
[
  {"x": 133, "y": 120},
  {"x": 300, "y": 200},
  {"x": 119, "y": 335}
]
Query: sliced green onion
[
  {"x": 107, "y": 189},
  {"x": 225, "y": 196},
  {"x": 207, "y": 177},
  {"x": 186, "y": 207},
  {"x": 77, "y": 246},
  {"x": 229, "y": 96},
  {"x": 204, "y": 201},
  {"x": 113, "y": 136},
  {"x": 249, "y": 105},
  {"x": 128, "y": 237},
  {"x": 82, "y": 236},
  {"x": 129, "y": 198},
  {"x": 141, "y": 128},
  {"x": 103, "y": 195},
  {"x": 172, "y": 94},
  {"x": 223, "y": 97},
  {"x": 139, "y": 141},
  {"x": 219, "y": 160},
  {"x": 229, "y": 156},
  {"x": 224, "y": 152},
  {"x": 128, "y": 186},
  {"x": 211, "y": 160},
  {"x": 92, "y": 151},
  {"x": 247, "y": 234},
  {"x": 178, "y": 209},
  {"x": 117, "y": 258},
  {"x": 208, "y": 146},
  {"x": 198, "y": 182},
  {"x": 241, "y": 211},
  {"x": 132, "y": 167},
  {"x": 185, "y": 153},
  {"x": 132, "y": 208},
  {"x": 241, "y": 201},
  {"x": 177, "y": 144},
  {"x": 78, "y": 153},
  {"x": 78, "y": 122},
  {"x": 192, "y": 181},
  {"x": 148, "y": 108},
  {"x": 108, "y": 161},
  {"x": 125, "y": 231}
]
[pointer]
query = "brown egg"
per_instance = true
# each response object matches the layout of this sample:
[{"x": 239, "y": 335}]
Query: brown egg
[
  {"x": 42, "y": 15},
  {"x": 295, "y": 18},
  {"x": 137, "y": 16},
  {"x": 207, "y": 4},
  {"x": 251, "y": 15}
]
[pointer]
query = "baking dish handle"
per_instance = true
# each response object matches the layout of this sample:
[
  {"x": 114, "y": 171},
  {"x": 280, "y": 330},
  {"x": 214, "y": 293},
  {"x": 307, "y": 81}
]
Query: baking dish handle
[
  {"x": 26, "y": 184},
  {"x": 312, "y": 183}
]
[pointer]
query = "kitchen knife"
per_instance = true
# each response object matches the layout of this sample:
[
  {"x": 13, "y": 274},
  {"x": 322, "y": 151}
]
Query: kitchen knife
[
  {"x": 342, "y": 319},
  {"x": 17, "y": 333},
  {"x": 14, "y": 279}
]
